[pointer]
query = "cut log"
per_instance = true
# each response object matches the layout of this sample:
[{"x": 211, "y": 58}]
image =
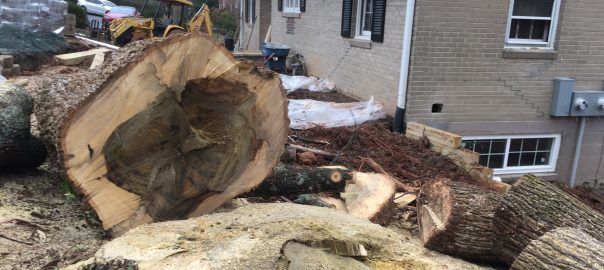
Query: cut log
[
  {"x": 19, "y": 150},
  {"x": 165, "y": 129},
  {"x": 532, "y": 208},
  {"x": 456, "y": 218},
  {"x": 562, "y": 249},
  {"x": 370, "y": 196},
  {"x": 321, "y": 201},
  {"x": 292, "y": 180}
]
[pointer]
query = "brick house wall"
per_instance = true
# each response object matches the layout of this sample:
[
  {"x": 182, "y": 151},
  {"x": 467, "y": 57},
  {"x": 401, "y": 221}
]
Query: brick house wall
[
  {"x": 458, "y": 60},
  {"x": 360, "y": 72}
]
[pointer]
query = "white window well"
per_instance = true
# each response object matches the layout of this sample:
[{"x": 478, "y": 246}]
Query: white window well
[
  {"x": 516, "y": 154},
  {"x": 364, "y": 19},
  {"x": 532, "y": 23},
  {"x": 291, "y": 6}
]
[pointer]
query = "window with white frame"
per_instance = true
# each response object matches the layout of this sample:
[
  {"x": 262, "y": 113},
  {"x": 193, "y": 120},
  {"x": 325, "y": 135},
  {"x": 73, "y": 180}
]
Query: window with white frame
[
  {"x": 364, "y": 18},
  {"x": 516, "y": 154},
  {"x": 291, "y": 6},
  {"x": 532, "y": 23}
]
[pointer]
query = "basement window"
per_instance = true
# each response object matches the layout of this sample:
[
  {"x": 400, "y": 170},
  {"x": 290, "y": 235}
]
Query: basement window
[
  {"x": 516, "y": 154},
  {"x": 532, "y": 23}
]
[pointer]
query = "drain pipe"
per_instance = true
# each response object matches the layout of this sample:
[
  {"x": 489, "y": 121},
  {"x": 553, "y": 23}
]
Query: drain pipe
[
  {"x": 573, "y": 173},
  {"x": 399, "y": 124}
]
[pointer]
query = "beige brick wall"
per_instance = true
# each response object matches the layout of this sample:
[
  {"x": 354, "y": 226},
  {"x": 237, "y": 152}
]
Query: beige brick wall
[
  {"x": 357, "y": 71},
  {"x": 458, "y": 60}
]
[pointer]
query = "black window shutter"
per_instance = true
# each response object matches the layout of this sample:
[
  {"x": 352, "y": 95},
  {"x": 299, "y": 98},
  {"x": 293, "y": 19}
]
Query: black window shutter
[
  {"x": 253, "y": 11},
  {"x": 280, "y": 5},
  {"x": 302, "y": 5},
  {"x": 247, "y": 12},
  {"x": 347, "y": 18},
  {"x": 379, "y": 20}
]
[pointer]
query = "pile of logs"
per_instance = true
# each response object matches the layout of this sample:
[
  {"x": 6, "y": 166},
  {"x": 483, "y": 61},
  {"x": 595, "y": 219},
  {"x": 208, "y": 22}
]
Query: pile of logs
[{"x": 534, "y": 225}]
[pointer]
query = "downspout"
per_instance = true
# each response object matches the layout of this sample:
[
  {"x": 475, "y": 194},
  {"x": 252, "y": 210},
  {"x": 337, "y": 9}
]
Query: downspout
[
  {"x": 241, "y": 24},
  {"x": 573, "y": 173},
  {"x": 400, "y": 125}
]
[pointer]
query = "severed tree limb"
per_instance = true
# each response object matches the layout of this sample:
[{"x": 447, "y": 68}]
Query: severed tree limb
[
  {"x": 562, "y": 249},
  {"x": 456, "y": 218},
  {"x": 534, "y": 207},
  {"x": 312, "y": 150},
  {"x": 293, "y": 180}
]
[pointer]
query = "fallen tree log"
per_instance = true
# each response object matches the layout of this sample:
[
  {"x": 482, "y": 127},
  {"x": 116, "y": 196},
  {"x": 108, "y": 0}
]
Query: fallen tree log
[
  {"x": 19, "y": 150},
  {"x": 291, "y": 180},
  {"x": 562, "y": 249},
  {"x": 456, "y": 218},
  {"x": 165, "y": 129},
  {"x": 534, "y": 207}
]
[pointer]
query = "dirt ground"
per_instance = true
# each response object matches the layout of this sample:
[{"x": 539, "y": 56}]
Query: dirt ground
[{"x": 43, "y": 225}]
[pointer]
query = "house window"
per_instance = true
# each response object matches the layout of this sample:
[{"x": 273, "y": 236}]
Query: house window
[
  {"x": 292, "y": 6},
  {"x": 364, "y": 18},
  {"x": 516, "y": 154},
  {"x": 532, "y": 23}
]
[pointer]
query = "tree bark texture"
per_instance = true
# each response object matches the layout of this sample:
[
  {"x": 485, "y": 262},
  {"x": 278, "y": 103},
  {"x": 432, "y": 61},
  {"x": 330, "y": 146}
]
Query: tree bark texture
[
  {"x": 457, "y": 219},
  {"x": 562, "y": 249},
  {"x": 19, "y": 150},
  {"x": 292, "y": 180},
  {"x": 534, "y": 207},
  {"x": 165, "y": 129}
]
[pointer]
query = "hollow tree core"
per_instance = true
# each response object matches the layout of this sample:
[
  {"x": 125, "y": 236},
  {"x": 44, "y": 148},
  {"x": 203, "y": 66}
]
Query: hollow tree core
[{"x": 168, "y": 129}]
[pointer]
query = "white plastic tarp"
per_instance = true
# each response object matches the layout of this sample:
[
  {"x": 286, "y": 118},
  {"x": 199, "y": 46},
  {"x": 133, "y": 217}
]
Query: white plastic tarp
[
  {"x": 293, "y": 83},
  {"x": 307, "y": 113},
  {"x": 2, "y": 79}
]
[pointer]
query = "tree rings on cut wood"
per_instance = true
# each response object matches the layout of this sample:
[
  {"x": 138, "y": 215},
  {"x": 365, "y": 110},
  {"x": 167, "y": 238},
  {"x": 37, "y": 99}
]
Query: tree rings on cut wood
[
  {"x": 457, "y": 218},
  {"x": 370, "y": 196},
  {"x": 166, "y": 128}
]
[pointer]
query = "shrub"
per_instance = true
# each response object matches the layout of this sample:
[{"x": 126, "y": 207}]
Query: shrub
[{"x": 81, "y": 16}]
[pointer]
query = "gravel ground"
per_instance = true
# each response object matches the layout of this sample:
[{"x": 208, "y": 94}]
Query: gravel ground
[{"x": 43, "y": 225}]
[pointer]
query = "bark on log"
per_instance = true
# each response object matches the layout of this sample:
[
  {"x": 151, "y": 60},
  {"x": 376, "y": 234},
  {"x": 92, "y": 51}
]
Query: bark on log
[
  {"x": 19, "y": 150},
  {"x": 562, "y": 249},
  {"x": 532, "y": 208},
  {"x": 291, "y": 180},
  {"x": 456, "y": 218},
  {"x": 165, "y": 129}
]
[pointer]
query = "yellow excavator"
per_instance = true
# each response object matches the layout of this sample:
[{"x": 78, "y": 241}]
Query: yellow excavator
[{"x": 172, "y": 21}]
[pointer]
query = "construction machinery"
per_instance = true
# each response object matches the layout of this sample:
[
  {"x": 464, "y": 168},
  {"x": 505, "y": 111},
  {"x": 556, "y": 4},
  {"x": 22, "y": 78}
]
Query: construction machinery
[{"x": 171, "y": 17}]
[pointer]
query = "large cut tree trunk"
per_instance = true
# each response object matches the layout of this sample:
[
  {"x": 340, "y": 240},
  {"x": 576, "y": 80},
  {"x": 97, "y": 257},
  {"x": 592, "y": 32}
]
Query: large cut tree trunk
[
  {"x": 562, "y": 249},
  {"x": 290, "y": 180},
  {"x": 532, "y": 208},
  {"x": 456, "y": 218},
  {"x": 370, "y": 196},
  {"x": 165, "y": 129}
]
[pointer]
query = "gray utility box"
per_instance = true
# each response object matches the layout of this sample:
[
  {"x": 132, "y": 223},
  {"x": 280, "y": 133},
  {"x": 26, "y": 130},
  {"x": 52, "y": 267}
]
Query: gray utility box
[
  {"x": 562, "y": 97},
  {"x": 565, "y": 102},
  {"x": 587, "y": 103}
]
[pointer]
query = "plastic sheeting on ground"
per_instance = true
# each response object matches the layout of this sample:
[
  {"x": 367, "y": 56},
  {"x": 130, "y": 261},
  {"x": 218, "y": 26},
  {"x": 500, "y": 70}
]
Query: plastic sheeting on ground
[
  {"x": 33, "y": 15},
  {"x": 2, "y": 79},
  {"x": 307, "y": 113},
  {"x": 293, "y": 83}
]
